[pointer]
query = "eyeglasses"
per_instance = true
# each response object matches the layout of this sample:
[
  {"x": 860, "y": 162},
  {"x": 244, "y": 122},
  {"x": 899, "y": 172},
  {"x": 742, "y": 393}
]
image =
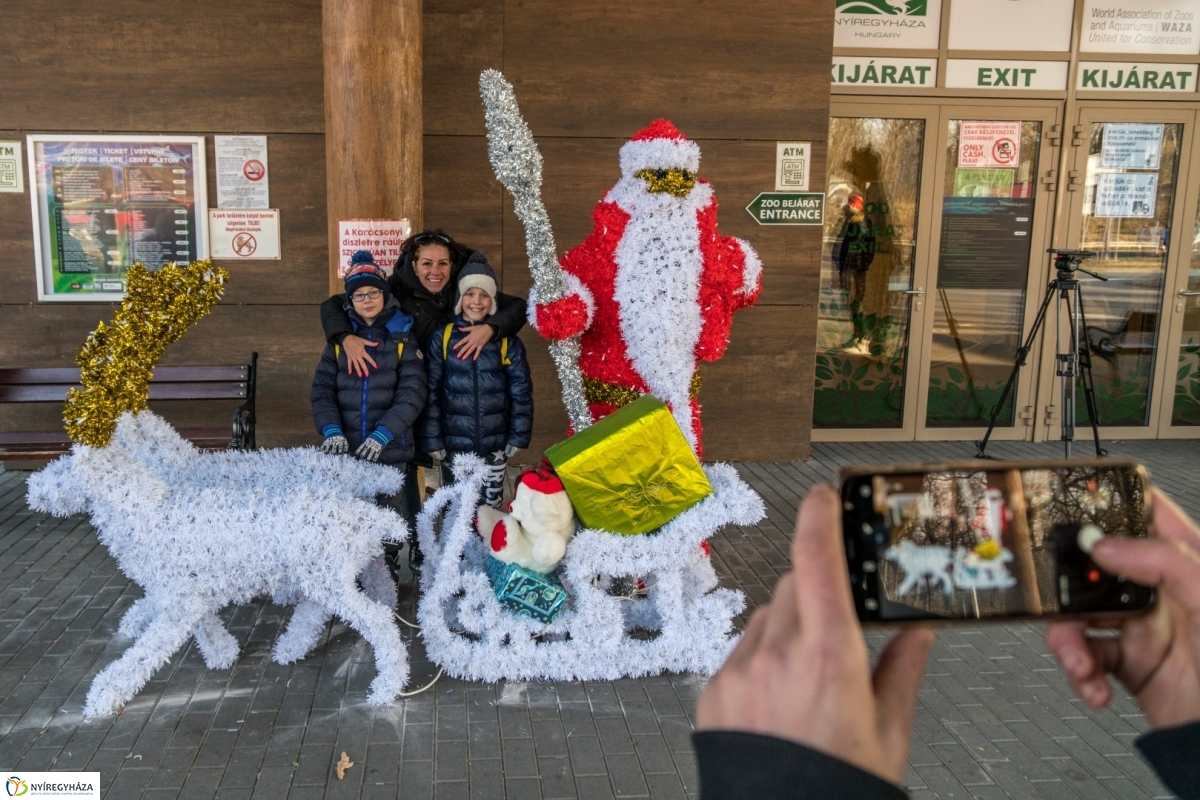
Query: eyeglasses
[
  {"x": 425, "y": 238},
  {"x": 372, "y": 294}
]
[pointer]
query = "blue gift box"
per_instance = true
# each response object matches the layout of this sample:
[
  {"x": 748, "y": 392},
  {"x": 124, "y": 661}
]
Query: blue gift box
[{"x": 526, "y": 592}]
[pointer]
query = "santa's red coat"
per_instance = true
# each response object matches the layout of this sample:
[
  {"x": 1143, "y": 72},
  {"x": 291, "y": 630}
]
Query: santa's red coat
[{"x": 726, "y": 286}]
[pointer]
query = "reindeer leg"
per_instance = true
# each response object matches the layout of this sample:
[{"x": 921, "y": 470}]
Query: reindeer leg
[
  {"x": 217, "y": 645},
  {"x": 375, "y": 624},
  {"x": 137, "y": 618},
  {"x": 302, "y": 632},
  {"x": 122, "y": 679}
]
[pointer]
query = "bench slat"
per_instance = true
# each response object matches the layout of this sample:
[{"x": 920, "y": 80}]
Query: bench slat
[
  {"x": 17, "y": 445},
  {"x": 39, "y": 375},
  {"x": 70, "y": 375},
  {"x": 158, "y": 391}
]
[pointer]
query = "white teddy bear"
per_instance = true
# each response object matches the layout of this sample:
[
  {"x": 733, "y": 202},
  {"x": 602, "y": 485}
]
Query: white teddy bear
[{"x": 538, "y": 526}]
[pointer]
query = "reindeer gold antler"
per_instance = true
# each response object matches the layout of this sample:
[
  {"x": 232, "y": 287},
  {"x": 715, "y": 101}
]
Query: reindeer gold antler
[{"x": 117, "y": 361}]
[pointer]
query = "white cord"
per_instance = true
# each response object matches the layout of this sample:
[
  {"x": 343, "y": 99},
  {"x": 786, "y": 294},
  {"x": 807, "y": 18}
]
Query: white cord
[
  {"x": 406, "y": 622},
  {"x": 425, "y": 687}
]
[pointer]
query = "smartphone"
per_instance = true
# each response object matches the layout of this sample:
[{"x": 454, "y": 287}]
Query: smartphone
[{"x": 991, "y": 539}]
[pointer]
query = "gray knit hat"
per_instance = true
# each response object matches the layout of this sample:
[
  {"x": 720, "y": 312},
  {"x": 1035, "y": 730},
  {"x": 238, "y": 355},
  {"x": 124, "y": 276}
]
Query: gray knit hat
[{"x": 476, "y": 274}]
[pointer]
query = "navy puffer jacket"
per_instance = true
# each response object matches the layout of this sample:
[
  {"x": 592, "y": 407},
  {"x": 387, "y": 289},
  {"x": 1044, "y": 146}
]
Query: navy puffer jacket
[
  {"x": 389, "y": 399},
  {"x": 476, "y": 406}
]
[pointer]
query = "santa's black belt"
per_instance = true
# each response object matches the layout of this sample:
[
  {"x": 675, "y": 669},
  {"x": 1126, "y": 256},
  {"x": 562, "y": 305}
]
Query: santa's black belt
[{"x": 610, "y": 394}]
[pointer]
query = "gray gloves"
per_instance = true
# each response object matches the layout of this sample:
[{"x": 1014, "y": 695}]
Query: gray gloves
[
  {"x": 439, "y": 455},
  {"x": 335, "y": 445},
  {"x": 511, "y": 450},
  {"x": 369, "y": 450}
]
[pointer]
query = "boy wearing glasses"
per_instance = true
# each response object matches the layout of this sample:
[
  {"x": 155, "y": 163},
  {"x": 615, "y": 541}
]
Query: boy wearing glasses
[{"x": 372, "y": 415}]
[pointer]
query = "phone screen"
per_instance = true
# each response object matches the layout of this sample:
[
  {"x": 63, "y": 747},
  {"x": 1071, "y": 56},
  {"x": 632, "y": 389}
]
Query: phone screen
[{"x": 993, "y": 542}]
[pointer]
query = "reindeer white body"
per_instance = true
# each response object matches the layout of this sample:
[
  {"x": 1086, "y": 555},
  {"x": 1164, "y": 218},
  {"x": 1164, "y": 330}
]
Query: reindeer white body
[{"x": 198, "y": 531}]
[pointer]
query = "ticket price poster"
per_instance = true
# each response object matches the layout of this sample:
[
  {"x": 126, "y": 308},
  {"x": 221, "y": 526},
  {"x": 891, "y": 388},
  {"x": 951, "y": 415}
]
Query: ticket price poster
[{"x": 101, "y": 203}]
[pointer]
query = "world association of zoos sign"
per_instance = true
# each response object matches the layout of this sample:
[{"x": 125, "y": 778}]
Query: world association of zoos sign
[{"x": 887, "y": 23}]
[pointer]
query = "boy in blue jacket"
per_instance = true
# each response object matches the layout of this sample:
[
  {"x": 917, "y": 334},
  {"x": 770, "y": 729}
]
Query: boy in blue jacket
[
  {"x": 482, "y": 406},
  {"x": 373, "y": 416}
]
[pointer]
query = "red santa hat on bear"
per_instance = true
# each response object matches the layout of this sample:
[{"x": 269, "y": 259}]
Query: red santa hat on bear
[{"x": 659, "y": 145}]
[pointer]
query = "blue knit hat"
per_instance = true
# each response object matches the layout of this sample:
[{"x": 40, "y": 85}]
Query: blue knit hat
[{"x": 365, "y": 272}]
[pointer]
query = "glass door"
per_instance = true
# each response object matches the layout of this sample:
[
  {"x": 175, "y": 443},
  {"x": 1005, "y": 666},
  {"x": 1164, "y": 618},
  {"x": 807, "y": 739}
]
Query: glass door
[
  {"x": 1127, "y": 166},
  {"x": 870, "y": 293},
  {"x": 995, "y": 177},
  {"x": 1179, "y": 392}
]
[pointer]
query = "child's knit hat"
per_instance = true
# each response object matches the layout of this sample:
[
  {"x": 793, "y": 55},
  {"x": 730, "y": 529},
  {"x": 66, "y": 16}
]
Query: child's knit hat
[
  {"x": 365, "y": 272},
  {"x": 476, "y": 274}
]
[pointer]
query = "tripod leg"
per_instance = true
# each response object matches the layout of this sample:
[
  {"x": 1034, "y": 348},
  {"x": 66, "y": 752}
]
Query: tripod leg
[
  {"x": 1018, "y": 362},
  {"x": 1089, "y": 386}
]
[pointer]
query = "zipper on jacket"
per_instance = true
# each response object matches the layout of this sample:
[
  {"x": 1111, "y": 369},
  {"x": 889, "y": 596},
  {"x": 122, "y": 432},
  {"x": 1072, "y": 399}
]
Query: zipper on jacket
[{"x": 366, "y": 385}]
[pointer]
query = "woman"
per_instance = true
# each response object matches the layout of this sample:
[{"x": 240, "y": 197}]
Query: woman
[{"x": 424, "y": 282}]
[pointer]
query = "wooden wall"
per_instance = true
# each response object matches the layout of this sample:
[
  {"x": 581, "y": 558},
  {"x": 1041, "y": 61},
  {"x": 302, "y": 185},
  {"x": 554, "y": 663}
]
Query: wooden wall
[{"x": 587, "y": 75}]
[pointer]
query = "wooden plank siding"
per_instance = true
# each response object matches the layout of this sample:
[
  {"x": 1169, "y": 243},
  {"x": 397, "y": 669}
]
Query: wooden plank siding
[{"x": 587, "y": 75}]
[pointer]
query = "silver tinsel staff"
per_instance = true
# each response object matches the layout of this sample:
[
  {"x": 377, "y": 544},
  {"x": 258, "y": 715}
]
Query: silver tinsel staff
[{"x": 518, "y": 166}]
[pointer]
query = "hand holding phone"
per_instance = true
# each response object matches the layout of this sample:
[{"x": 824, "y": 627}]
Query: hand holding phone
[
  {"x": 980, "y": 540},
  {"x": 1156, "y": 656}
]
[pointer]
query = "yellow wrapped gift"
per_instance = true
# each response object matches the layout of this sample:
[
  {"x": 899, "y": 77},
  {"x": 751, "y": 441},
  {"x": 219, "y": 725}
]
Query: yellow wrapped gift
[{"x": 632, "y": 471}]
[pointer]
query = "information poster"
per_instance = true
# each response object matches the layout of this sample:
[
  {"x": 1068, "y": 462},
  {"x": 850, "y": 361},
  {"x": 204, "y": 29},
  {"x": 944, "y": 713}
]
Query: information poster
[
  {"x": 244, "y": 233},
  {"x": 985, "y": 242},
  {"x": 1133, "y": 145},
  {"x": 382, "y": 237},
  {"x": 1161, "y": 27},
  {"x": 101, "y": 203},
  {"x": 887, "y": 23},
  {"x": 989, "y": 144},
  {"x": 1126, "y": 194},
  {"x": 11, "y": 179},
  {"x": 242, "y": 180}
]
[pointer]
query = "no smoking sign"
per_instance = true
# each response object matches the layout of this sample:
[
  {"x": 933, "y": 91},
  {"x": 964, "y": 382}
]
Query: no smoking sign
[
  {"x": 243, "y": 233},
  {"x": 254, "y": 170}
]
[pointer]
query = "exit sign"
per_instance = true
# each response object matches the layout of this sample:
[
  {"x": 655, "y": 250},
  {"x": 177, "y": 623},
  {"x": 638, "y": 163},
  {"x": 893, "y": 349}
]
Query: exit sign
[{"x": 788, "y": 208}]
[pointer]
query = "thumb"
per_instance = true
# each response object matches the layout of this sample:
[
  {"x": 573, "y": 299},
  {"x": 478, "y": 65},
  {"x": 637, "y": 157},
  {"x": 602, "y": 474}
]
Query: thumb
[
  {"x": 896, "y": 681},
  {"x": 369, "y": 343}
]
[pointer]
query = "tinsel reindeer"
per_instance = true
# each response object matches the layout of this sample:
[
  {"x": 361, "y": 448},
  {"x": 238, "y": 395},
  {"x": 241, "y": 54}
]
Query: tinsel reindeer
[{"x": 198, "y": 531}]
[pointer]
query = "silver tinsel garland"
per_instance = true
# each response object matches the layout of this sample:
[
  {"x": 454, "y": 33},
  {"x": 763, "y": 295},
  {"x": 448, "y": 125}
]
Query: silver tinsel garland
[{"x": 518, "y": 166}]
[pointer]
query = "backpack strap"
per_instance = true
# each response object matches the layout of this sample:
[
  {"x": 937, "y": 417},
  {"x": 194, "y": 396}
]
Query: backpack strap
[
  {"x": 504, "y": 353},
  {"x": 446, "y": 339}
]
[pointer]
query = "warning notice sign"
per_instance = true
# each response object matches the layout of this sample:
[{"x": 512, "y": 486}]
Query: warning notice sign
[
  {"x": 243, "y": 233},
  {"x": 989, "y": 144},
  {"x": 382, "y": 237},
  {"x": 242, "y": 180}
]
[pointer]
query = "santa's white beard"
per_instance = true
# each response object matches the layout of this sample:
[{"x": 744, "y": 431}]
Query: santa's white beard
[{"x": 657, "y": 290}]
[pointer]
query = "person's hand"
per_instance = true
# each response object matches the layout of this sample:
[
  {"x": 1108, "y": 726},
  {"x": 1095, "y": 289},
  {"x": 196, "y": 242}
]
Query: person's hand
[
  {"x": 511, "y": 450},
  {"x": 438, "y": 455},
  {"x": 801, "y": 671},
  {"x": 369, "y": 450},
  {"x": 1157, "y": 655},
  {"x": 471, "y": 345},
  {"x": 357, "y": 358},
  {"x": 335, "y": 445}
]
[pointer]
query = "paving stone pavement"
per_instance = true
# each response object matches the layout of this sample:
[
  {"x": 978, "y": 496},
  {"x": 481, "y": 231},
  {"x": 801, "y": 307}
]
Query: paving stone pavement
[{"x": 995, "y": 718}]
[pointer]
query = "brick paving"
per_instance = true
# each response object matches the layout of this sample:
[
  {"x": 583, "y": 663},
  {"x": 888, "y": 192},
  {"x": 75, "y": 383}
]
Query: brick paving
[{"x": 995, "y": 719}]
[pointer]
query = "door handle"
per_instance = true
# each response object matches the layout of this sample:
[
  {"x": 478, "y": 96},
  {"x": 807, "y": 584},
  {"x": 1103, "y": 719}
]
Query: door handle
[
  {"x": 1186, "y": 293},
  {"x": 919, "y": 290}
]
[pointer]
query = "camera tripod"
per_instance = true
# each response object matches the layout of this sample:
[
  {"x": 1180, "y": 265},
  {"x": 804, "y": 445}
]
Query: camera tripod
[{"x": 1070, "y": 363}]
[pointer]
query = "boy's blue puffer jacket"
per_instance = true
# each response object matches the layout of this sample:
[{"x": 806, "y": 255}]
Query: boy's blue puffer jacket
[
  {"x": 390, "y": 397},
  {"x": 476, "y": 406}
]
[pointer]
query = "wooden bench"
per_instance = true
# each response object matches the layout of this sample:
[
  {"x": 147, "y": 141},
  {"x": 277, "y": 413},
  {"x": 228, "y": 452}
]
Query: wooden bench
[{"x": 50, "y": 385}]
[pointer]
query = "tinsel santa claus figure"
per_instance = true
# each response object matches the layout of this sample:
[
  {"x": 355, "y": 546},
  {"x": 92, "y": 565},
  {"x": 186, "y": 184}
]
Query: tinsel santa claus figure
[{"x": 654, "y": 287}]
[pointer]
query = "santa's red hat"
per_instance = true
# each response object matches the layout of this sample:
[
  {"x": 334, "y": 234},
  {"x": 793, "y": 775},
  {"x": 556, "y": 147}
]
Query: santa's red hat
[{"x": 659, "y": 145}]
